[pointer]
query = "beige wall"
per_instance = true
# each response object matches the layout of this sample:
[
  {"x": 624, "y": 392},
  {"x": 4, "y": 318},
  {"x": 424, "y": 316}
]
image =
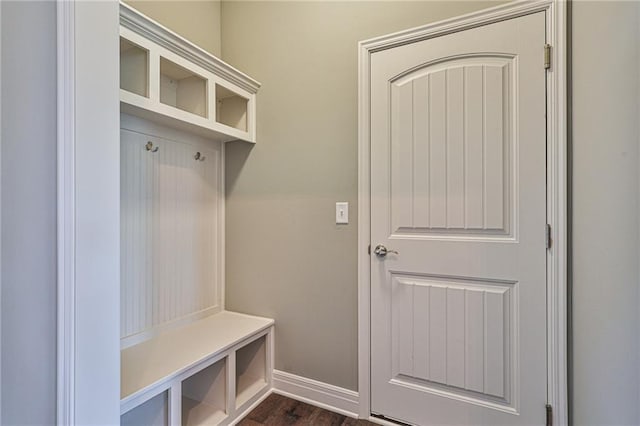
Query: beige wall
[
  {"x": 605, "y": 213},
  {"x": 286, "y": 257},
  {"x": 28, "y": 225},
  {"x": 197, "y": 21}
]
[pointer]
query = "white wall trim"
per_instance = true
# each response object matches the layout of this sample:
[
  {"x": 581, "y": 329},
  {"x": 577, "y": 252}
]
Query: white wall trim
[
  {"x": 66, "y": 212},
  {"x": 88, "y": 359},
  {"x": 323, "y": 395},
  {"x": 556, "y": 14}
]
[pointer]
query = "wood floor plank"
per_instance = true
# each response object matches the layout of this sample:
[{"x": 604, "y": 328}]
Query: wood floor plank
[
  {"x": 290, "y": 412},
  {"x": 324, "y": 417},
  {"x": 261, "y": 413},
  {"x": 249, "y": 422},
  {"x": 277, "y": 410},
  {"x": 348, "y": 421}
]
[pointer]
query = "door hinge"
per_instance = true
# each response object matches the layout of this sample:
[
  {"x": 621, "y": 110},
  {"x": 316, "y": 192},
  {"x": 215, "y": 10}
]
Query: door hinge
[
  {"x": 549, "y": 415},
  {"x": 369, "y": 250},
  {"x": 548, "y": 236},
  {"x": 547, "y": 56}
]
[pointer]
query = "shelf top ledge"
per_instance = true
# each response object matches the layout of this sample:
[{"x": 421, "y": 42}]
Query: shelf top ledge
[{"x": 141, "y": 24}]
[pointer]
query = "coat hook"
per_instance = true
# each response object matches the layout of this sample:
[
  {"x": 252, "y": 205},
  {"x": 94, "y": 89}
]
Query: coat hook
[
  {"x": 199, "y": 157},
  {"x": 149, "y": 147}
]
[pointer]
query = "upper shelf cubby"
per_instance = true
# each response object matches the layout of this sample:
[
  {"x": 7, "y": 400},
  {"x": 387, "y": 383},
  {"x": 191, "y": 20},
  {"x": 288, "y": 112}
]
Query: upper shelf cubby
[
  {"x": 182, "y": 89},
  {"x": 134, "y": 68},
  {"x": 231, "y": 108},
  {"x": 167, "y": 79}
]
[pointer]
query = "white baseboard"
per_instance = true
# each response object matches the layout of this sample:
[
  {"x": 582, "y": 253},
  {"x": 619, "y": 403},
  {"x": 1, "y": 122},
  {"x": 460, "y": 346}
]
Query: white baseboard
[{"x": 323, "y": 395}]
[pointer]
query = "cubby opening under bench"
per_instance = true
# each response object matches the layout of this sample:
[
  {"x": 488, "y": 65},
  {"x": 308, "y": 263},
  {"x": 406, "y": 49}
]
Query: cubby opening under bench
[{"x": 185, "y": 360}]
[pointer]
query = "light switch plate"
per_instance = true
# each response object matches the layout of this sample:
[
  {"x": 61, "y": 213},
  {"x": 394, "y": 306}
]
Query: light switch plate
[{"x": 342, "y": 212}]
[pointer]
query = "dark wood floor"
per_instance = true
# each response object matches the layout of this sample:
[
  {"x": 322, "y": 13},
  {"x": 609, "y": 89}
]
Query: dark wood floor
[{"x": 278, "y": 410}]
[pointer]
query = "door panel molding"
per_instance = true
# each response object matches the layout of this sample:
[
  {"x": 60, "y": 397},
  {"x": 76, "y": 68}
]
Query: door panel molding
[
  {"x": 463, "y": 343},
  {"x": 426, "y": 204},
  {"x": 556, "y": 18}
]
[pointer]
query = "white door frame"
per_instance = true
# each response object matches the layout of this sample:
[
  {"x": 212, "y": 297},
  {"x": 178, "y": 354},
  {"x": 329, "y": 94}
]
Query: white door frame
[
  {"x": 556, "y": 14},
  {"x": 65, "y": 45}
]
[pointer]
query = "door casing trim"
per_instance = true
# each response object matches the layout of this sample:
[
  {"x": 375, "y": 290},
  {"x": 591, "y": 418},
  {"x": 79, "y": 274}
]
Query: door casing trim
[
  {"x": 556, "y": 79},
  {"x": 66, "y": 217}
]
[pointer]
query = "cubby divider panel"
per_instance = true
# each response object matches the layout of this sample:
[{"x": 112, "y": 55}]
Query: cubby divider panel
[
  {"x": 154, "y": 412},
  {"x": 204, "y": 396}
]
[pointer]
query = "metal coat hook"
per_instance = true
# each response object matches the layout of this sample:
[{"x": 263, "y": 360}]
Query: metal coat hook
[
  {"x": 199, "y": 156},
  {"x": 149, "y": 147}
]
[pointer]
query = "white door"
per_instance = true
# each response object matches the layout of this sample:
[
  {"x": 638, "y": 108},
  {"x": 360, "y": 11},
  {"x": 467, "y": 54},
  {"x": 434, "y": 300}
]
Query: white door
[{"x": 458, "y": 158}]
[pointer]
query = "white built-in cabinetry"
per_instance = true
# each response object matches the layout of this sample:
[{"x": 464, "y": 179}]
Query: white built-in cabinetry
[
  {"x": 166, "y": 79},
  {"x": 184, "y": 359}
]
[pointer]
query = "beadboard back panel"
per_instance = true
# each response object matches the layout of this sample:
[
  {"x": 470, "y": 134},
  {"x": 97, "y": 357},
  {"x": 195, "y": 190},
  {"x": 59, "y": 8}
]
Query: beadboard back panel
[{"x": 171, "y": 234}]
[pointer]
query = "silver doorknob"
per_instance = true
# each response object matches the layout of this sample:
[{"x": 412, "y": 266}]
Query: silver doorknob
[{"x": 382, "y": 251}]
